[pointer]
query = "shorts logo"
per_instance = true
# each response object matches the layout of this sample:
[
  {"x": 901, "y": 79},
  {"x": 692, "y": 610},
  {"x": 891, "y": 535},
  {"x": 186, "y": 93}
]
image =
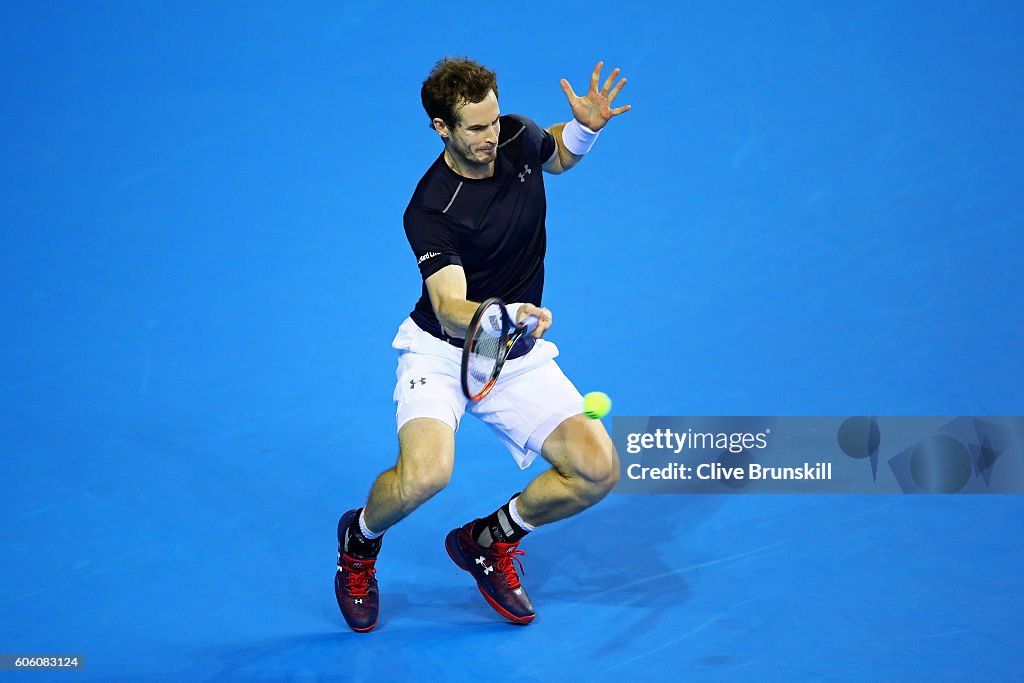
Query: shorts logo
[{"x": 412, "y": 382}]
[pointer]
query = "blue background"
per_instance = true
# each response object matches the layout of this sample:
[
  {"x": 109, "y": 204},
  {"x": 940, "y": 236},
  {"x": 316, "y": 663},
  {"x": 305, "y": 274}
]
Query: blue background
[{"x": 810, "y": 210}]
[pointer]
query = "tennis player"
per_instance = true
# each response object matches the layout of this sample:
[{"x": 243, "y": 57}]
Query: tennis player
[{"x": 476, "y": 226}]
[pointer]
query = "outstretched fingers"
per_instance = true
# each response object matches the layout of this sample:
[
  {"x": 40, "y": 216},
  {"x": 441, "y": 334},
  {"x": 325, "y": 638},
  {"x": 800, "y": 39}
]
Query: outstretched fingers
[
  {"x": 609, "y": 81},
  {"x": 596, "y": 76},
  {"x": 567, "y": 89},
  {"x": 598, "y": 100},
  {"x": 614, "y": 93}
]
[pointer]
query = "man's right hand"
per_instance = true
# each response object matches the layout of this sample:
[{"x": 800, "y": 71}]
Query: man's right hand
[{"x": 543, "y": 315}]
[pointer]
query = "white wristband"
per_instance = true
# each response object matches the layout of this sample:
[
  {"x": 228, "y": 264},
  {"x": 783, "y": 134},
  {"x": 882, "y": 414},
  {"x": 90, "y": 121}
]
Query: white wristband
[
  {"x": 577, "y": 138},
  {"x": 513, "y": 312}
]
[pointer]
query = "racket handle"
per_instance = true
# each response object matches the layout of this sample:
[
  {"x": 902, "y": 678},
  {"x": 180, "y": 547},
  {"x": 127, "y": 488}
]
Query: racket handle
[{"x": 530, "y": 323}]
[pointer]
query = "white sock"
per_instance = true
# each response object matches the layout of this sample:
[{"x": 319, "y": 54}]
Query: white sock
[
  {"x": 513, "y": 508},
  {"x": 369, "y": 535}
]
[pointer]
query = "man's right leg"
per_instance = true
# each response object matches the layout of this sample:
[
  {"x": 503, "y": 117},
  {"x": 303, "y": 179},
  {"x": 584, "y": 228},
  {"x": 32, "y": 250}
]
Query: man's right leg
[{"x": 425, "y": 460}]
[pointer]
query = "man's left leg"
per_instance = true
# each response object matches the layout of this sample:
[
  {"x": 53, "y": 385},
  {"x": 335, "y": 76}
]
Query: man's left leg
[{"x": 584, "y": 468}]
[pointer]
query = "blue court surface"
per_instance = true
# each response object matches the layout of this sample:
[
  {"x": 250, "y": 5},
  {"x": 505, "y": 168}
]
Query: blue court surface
[{"x": 812, "y": 209}]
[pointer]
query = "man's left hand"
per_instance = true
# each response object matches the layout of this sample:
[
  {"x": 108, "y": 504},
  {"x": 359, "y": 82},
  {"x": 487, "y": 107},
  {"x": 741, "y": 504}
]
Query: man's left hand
[{"x": 594, "y": 110}]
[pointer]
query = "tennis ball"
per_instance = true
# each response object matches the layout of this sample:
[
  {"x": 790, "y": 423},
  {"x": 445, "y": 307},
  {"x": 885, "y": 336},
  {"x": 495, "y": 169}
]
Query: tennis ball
[{"x": 596, "y": 405}]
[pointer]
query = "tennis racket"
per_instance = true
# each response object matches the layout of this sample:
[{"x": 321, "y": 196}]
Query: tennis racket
[{"x": 489, "y": 338}]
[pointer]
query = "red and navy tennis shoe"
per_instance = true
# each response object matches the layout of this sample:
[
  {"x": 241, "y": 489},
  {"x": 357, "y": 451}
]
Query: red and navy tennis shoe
[
  {"x": 355, "y": 583},
  {"x": 494, "y": 572}
]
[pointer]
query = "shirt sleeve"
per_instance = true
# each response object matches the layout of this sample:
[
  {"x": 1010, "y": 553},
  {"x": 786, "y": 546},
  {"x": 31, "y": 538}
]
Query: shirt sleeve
[
  {"x": 433, "y": 240},
  {"x": 537, "y": 138}
]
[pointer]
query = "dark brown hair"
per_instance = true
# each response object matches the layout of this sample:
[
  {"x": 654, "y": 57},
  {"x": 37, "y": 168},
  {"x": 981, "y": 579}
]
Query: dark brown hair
[{"x": 452, "y": 83}]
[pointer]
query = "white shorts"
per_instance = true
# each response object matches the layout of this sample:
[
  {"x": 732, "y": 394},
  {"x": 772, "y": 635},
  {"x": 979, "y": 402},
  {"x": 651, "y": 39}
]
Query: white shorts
[{"x": 530, "y": 399}]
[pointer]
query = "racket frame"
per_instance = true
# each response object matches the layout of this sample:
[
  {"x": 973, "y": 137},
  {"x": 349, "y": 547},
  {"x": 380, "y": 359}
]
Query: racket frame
[{"x": 467, "y": 346}]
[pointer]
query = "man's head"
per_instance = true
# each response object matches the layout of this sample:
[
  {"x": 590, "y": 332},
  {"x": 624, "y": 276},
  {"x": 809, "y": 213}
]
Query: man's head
[{"x": 461, "y": 99}]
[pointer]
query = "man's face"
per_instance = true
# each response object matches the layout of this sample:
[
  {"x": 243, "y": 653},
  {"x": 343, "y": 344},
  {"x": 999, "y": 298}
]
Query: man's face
[{"x": 475, "y": 136}]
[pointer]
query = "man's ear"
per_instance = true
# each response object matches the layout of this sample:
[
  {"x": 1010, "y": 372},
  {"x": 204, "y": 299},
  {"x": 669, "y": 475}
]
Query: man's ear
[{"x": 441, "y": 127}]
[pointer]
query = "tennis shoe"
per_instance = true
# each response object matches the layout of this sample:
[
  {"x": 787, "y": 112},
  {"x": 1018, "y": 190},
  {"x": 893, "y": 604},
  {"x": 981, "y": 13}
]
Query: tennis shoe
[
  {"x": 355, "y": 583},
  {"x": 494, "y": 571}
]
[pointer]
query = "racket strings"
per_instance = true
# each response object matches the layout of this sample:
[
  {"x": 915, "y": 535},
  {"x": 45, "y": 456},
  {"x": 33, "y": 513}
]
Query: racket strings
[{"x": 487, "y": 347}]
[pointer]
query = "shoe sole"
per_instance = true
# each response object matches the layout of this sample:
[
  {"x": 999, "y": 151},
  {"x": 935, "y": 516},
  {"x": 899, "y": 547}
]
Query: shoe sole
[{"x": 520, "y": 621}]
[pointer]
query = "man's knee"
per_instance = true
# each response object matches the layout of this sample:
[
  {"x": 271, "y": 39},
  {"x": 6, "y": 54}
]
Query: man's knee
[
  {"x": 592, "y": 467},
  {"x": 425, "y": 461},
  {"x": 420, "y": 482}
]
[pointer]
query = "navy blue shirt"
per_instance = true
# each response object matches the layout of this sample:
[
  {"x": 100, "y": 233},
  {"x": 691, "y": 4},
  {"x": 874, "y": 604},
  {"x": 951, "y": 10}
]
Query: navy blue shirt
[{"x": 492, "y": 227}]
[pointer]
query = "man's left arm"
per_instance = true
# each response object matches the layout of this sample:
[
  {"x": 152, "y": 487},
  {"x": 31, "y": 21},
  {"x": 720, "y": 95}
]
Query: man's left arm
[
  {"x": 591, "y": 113},
  {"x": 562, "y": 160}
]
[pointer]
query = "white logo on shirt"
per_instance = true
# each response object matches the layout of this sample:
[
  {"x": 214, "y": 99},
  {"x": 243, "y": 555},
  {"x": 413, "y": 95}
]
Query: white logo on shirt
[
  {"x": 429, "y": 254},
  {"x": 526, "y": 171}
]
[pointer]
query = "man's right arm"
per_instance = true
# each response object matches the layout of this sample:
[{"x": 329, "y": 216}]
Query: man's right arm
[{"x": 447, "y": 290}]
